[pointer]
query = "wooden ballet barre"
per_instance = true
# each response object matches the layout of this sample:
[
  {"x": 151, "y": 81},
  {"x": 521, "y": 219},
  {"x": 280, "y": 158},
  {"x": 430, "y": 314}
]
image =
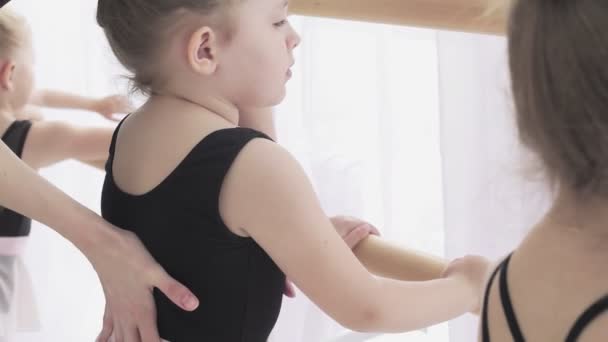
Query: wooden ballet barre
[
  {"x": 389, "y": 260},
  {"x": 476, "y": 16}
]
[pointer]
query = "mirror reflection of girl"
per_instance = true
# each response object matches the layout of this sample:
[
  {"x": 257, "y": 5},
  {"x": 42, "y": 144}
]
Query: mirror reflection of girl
[{"x": 39, "y": 144}]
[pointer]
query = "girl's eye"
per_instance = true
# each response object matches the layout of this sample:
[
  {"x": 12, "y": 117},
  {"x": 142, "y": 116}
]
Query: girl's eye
[{"x": 280, "y": 23}]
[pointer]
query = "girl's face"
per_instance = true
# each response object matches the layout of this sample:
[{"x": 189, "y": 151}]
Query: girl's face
[
  {"x": 260, "y": 53},
  {"x": 254, "y": 63}
]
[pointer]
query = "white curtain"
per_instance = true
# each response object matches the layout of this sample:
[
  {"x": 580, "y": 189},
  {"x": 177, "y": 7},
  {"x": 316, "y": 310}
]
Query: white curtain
[
  {"x": 410, "y": 129},
  {"x": 491, "y": 198},
  {"x": 362, "y": 115}
]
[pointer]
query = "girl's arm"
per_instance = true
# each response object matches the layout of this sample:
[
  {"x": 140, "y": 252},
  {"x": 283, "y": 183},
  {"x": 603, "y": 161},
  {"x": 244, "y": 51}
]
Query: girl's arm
[
  {"x": 267, "y": 196},
  {"x": 106, "y": 106},
  {"x": 50, "y": 142},
  {"x": 379, "y": 256}
]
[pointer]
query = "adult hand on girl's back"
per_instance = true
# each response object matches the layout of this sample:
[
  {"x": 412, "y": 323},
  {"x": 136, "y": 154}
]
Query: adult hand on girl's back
[
  {"x": 352, "y": 230},
  {"x": 128, "y": 274}
]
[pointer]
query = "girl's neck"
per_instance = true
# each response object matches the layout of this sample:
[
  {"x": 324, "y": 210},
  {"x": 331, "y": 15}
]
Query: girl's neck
[
  {"x": 6, "y": 114},
  {"x": 6, "y": 119},
  {"x": 209, "y": 103},
  {"x": 584, "y": 216}
]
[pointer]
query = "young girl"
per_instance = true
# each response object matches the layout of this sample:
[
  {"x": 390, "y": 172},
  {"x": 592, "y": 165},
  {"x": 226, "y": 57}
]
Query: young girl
[
  {"x": 39, "y": 144},
  {"x": 224, "y": 208},
  {"x": 554, "y": 287},
  {"x": 44, "y": 143}
]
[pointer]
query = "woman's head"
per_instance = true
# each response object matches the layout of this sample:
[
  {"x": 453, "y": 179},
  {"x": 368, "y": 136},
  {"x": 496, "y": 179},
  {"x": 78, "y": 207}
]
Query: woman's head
[
  {"x": 16, "y": 60},
  {"x": 240, "y": 50},
  {"x": 558, "y": 52}
]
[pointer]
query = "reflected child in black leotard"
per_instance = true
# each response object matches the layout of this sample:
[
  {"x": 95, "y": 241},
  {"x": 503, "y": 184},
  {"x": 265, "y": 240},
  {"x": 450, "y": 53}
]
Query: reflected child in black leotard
[{"x": 38, "y": 144}]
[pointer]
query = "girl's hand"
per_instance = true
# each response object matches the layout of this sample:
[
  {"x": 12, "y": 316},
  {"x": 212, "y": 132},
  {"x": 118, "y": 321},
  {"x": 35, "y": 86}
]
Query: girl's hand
[{"x": 111, "y": 105}]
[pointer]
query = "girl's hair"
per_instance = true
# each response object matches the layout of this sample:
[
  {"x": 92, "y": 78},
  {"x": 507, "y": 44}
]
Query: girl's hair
[
  {"x": 136, "y": 31},
  {"x": 558, "y": 56},
  {"x": 11, "y": 31}
]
